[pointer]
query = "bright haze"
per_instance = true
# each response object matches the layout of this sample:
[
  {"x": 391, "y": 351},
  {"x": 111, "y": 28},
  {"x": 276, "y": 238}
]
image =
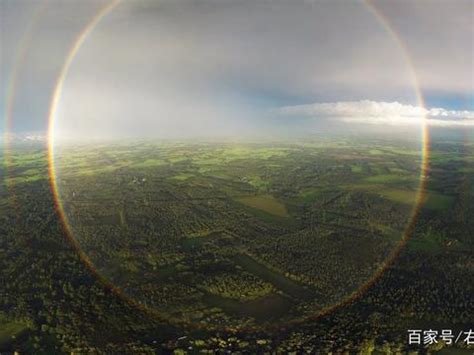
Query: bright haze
[{"x": 181, "y": 68}]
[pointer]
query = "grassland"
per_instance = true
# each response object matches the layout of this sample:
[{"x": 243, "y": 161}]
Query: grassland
[
  {"x": 265, "y": 203},
  {"x": 11, "y": 329},
  {"x": 224, "y": 219},
  {"x": 164, "y": 223}
]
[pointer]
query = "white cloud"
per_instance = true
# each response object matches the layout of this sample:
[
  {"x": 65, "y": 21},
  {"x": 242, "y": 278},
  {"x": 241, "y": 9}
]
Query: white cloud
[
  {"x": 374, "y": 112},
  {"x": 38, "y": 136}
]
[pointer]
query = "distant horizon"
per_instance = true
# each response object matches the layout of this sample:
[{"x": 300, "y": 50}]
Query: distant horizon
[{"x": 406, "y": 132}]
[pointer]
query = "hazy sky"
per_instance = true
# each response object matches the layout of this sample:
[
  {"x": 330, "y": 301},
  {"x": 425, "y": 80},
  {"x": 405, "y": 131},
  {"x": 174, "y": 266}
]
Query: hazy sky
[{"x": 184, "y": 68}]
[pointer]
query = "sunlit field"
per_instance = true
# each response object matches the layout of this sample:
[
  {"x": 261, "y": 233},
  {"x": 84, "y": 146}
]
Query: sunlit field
[{"x": 239, "y": 234}]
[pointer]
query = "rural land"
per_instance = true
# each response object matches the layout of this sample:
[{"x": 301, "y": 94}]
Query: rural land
[{"x": 330, "y": 245}]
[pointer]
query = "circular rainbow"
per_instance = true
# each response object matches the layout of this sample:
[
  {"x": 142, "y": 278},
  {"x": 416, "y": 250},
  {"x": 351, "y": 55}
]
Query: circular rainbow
[{"x": 52, "y": 116}]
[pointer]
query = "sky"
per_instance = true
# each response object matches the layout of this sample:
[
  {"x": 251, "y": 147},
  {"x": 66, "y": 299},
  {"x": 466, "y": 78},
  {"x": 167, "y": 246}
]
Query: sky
[{"x": 179, "y": 68}]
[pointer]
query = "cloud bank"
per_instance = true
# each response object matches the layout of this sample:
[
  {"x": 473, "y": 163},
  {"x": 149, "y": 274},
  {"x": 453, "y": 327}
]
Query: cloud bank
[
  {"x": 379, "y": 113},
  {"x": 213, "y": 67}
]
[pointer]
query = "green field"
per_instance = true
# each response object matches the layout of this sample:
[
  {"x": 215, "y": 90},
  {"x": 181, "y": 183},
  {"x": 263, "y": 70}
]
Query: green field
[
  {"x": 265, "y": 203},
  {"x": 235, "y": 236},
  {"x": 11, "y": 329},
  {"x": 199, "y": 210},
  {"x": 197, "y": 230}
]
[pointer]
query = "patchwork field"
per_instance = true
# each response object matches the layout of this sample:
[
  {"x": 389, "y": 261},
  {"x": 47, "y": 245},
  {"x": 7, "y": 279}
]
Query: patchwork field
[
  {"x": 265, "y": 203},
  {"x": 232, "y": 236},
  {"x": 235, "y": 226}
]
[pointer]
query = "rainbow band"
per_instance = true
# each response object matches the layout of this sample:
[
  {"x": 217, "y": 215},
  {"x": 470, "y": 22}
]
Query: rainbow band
[
  {"x": 52, "y": 173},
  {"x": 20, "y": 55},
  {"x": 388, "y": 262}
]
